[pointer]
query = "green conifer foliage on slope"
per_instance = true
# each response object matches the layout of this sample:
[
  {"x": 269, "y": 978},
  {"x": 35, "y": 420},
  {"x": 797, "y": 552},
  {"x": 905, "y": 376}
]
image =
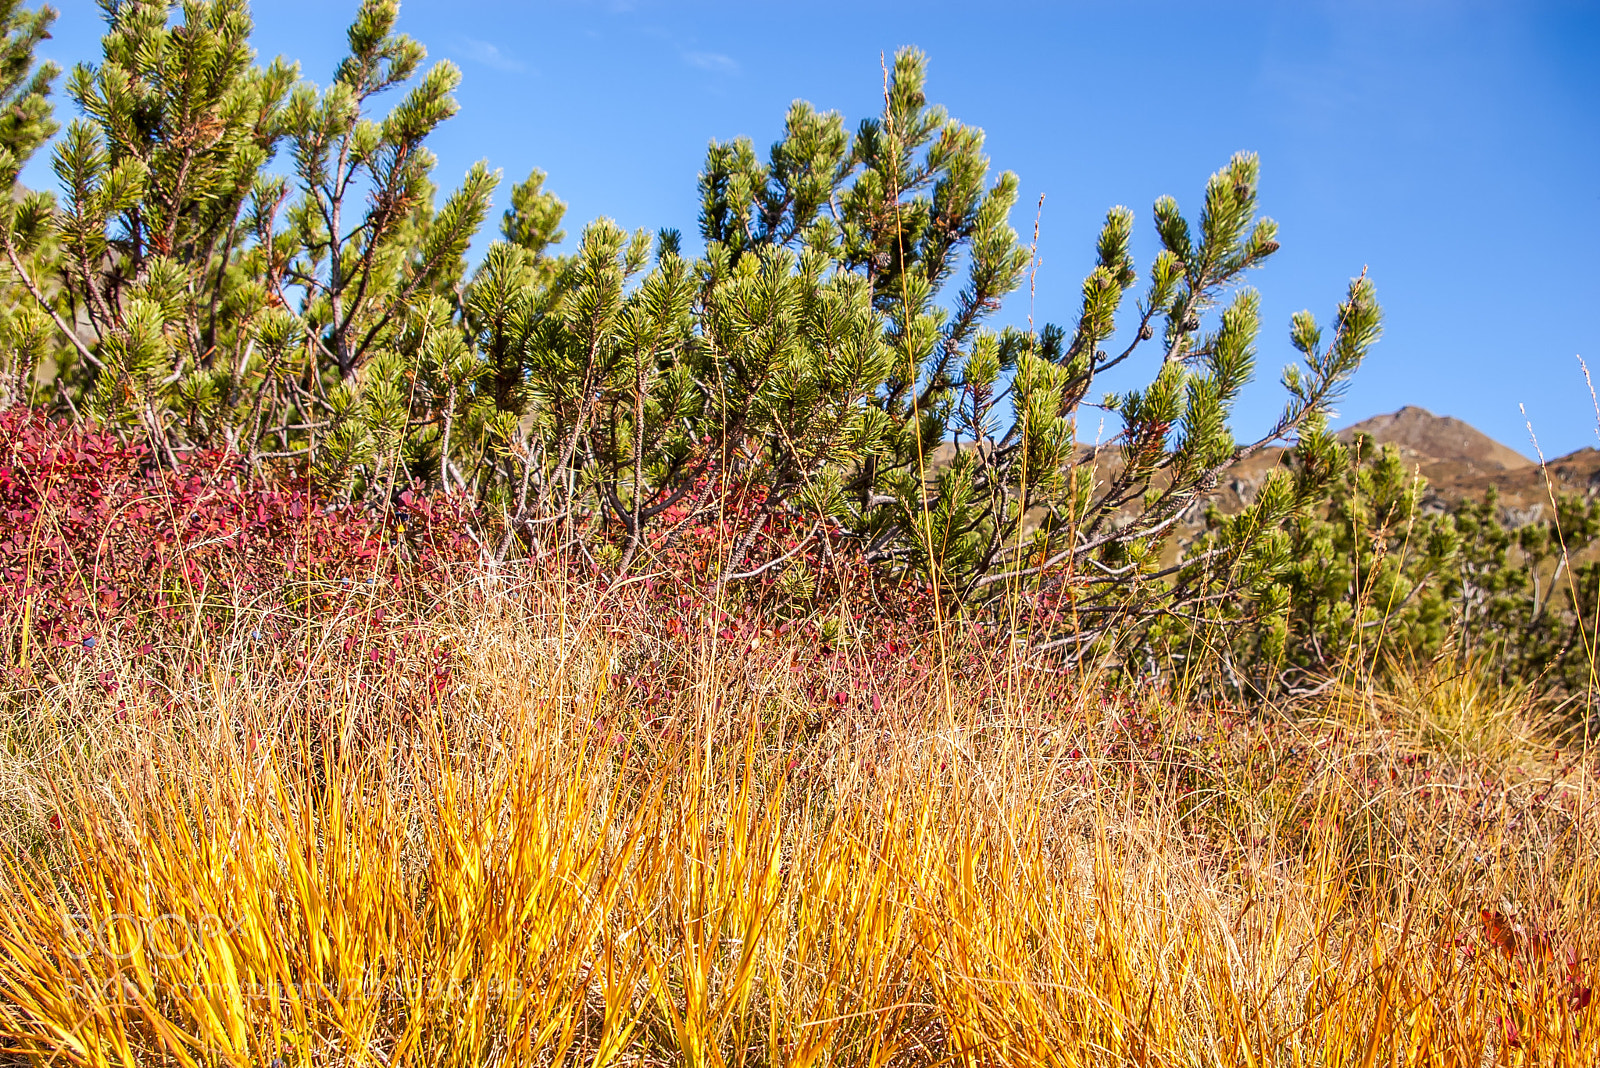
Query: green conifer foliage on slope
[{"x": 241, "y": 258}]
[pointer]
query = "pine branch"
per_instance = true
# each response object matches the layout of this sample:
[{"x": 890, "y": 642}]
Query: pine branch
[{"x": 39, "y": 298}]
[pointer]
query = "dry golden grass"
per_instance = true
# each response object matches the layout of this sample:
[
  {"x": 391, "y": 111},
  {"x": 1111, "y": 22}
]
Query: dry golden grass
[{"x": 532, "y": 872}]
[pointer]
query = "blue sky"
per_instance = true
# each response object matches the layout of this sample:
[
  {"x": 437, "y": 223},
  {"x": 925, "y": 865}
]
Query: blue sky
[{"x": 1453, "y": 149}]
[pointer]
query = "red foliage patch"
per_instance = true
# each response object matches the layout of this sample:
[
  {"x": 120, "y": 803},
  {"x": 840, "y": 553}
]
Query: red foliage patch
[
  {"x": 96, "y": 539},
  {"x": 107, "y": 552}
]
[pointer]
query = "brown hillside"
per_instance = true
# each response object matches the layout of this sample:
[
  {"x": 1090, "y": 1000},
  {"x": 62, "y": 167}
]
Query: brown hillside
[
  {"x": 1461, "y": 463},
  {"x": 1446, "y": 449},
  {"x": 1458, "y": 461}
]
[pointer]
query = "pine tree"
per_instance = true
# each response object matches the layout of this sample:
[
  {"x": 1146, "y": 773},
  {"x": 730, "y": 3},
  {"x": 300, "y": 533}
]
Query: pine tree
[
  {"x": 261, "y": 264},
  {"x": 33, "y": 326}
]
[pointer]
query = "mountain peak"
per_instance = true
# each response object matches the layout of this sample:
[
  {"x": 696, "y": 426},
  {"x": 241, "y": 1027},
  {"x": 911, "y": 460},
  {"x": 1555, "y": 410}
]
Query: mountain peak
[{"x": 1438, "y": 439}]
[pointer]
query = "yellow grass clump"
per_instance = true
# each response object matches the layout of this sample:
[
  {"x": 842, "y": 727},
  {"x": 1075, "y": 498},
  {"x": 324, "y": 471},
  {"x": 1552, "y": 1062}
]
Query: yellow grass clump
[{"x": 244, "y": 865}]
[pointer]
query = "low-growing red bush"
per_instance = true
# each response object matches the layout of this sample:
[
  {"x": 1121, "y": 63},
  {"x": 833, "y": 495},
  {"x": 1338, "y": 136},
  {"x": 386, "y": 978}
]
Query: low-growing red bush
[
  {"x": 98, "y": 540},
  {"x": 107, "y": 552}
]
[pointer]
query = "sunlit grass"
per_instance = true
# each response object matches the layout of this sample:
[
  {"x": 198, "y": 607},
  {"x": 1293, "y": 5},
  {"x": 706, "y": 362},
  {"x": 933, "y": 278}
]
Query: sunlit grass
[{"x": 530, "y": 870}]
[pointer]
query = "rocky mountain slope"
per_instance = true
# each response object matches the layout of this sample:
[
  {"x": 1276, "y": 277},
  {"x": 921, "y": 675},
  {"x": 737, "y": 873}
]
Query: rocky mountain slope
[
  {"x": 1459, "y": 462},
  {"x": 1446, "y": 448}
]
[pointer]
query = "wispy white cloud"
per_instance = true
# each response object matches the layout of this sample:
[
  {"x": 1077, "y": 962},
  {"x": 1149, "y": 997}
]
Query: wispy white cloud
[
  {"x": 715, "y": 62},
  {"x": 489, "y": 55}
]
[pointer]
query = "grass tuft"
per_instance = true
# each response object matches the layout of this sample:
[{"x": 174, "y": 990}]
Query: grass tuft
[{"x": 220, "y": 862}]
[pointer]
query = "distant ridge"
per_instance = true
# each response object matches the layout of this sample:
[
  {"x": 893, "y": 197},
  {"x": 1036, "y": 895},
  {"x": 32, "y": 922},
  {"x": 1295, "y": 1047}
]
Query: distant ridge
[
  {"x": 1458, "y": 460},
  {"x": 1439, "y": 441}
]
